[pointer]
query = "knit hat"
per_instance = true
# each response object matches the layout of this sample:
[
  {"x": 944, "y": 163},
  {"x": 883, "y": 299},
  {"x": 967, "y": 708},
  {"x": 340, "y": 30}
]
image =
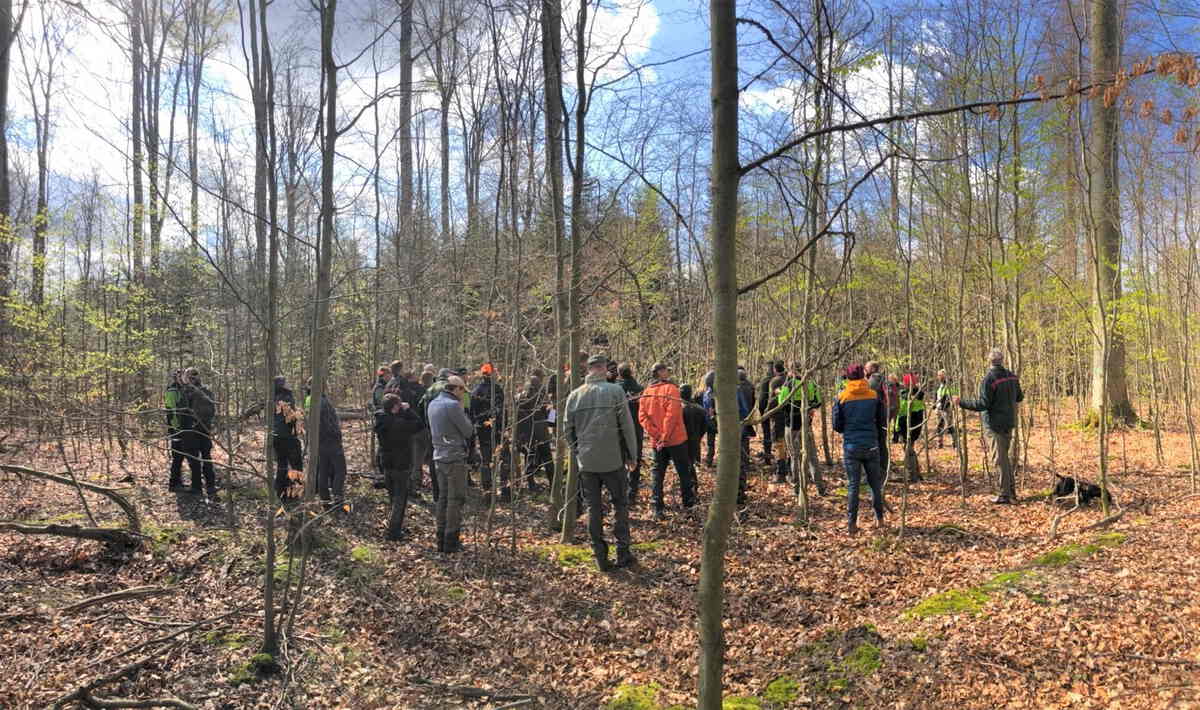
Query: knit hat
[{"x": 487, "y": 369}]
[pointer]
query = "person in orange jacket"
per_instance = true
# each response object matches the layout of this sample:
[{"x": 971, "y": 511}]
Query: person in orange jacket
[{"x": 661, "y": 415}]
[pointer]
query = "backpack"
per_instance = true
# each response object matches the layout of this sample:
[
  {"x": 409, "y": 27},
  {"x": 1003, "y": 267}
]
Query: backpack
[{"x": 203, "y": 409}]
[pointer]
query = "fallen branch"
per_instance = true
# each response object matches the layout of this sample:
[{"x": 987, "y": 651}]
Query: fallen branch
[
  {"x": 120, "y": 595},
  {"x": 1105, "y": 522},
  {"x": 168, "y": 637},
  {"x": 83, "y": 694},
  {"x": 135, "y": 522},
  {"x": 114, "y": 536}
]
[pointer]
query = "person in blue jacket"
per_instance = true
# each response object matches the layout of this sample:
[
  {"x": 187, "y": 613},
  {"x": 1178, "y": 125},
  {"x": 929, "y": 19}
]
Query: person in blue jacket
[{"x": 858, "y": 415}]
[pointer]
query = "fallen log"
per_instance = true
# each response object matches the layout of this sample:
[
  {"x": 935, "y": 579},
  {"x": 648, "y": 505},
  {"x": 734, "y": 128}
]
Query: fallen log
[
  {"x": 113, "y": 536},
  {"x": 135, "y": 522}
]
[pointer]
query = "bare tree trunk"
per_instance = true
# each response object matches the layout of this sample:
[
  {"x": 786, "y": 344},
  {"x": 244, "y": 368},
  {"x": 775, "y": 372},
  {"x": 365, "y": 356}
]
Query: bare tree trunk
[
  {"x": 8, "y": 30},
  {"x": 135, "y": 129},
  {"x": 725, "y": 178},
  {"x": 1110, "y": 394}
]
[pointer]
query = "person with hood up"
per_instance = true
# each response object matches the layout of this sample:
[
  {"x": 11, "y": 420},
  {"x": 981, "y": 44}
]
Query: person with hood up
[
  {"x": 395, "y": 425},
  {"x": 661, "y": 415},
  {"x": 858, "y": 415},
  {"x": 599, "y": 430}
]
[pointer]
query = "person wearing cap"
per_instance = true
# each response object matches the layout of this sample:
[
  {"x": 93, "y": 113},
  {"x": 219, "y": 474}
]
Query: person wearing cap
[
  {"x": 487, "y": 412},
  {"x": 284, "y": 441},
  {"x": 661, "y": 415},
  {"x": 173, "y": 404},
  {"x": 382, "y": 375},
  {"x": 451, "y": 431},
  {"x": 395, "y": 425},
  {"x": 599, "y": 430},
  {"x": 999, "y": 394},
  {"x": 858, "y": 415},
  {"x": 633, "y": 393}
]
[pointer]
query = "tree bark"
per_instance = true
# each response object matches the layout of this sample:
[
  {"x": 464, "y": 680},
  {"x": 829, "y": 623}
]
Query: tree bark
[
  {"x": 1104, "y": 194},
  {"x": 725, "y": 178}
]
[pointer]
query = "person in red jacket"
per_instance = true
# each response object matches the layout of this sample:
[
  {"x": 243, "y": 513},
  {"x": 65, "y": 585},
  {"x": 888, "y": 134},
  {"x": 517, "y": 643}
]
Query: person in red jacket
[{"x": 661, "y": 416}]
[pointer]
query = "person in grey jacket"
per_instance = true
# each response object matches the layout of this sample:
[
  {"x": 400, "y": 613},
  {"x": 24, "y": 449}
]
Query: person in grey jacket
[
  {"x": 600, "y": 432},
  {"x": 451, "y": 430}
]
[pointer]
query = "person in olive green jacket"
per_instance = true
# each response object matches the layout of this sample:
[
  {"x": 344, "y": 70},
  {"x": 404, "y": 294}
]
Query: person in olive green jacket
[{"x": 599, "y": 430}]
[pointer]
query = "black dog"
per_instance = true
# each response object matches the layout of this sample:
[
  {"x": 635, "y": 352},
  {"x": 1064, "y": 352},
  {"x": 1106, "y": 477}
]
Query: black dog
[{"x": 1065, "y": 487}]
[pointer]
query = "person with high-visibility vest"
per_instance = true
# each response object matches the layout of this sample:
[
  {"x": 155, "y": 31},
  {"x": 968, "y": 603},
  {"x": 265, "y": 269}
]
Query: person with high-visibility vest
[
  {"x": 801, "y": 399},
  {"x": 910, "y": 411},
  {"x": 946, "y": 392}
]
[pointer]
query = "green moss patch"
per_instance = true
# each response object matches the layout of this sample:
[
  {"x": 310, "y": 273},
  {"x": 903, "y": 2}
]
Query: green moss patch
[
  {"x": 567, "y": 555},
  {"x": 160, "y": 538},
  {"x": 951, "y": 601},
  {"x": 864, "y": 660},
  {"x": 919, "y": 643},
  {"x": 226, "y": 639},
  {"x": 634, "y": 697},
  {"x": 782, "y": 691},
  {"x": 741, "y": 703},
  {"x": 456, "y": 594},
  {"x": 364, "y": 555},
  {"x": 651, "y": 546}
]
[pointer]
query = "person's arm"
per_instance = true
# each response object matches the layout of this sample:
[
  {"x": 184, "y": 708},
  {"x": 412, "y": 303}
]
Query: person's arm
[
  {"x": 985, "y": 398},
  {"x": 880, "y": 417},
  {"x": 839, "y": 417},
  {"x": 625, "y": 423},
  {"x": 568, "y": 422},
  {"x": 1020, "y": 392},
  {"x": 462, "y": 422},
  {"x": 646, "y": 416}
]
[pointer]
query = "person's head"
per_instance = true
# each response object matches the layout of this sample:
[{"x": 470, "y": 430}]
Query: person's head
[
  {"x": 892, "y": 379},
  {"x": 660, "y": 371},
  {"x": 742, "y": 373},
  {"x": 871, "y": 368},
  {"x": 383, "y": 372},
  {"x": 597, "y": 365},
  {"x": 391, "y": 402},
  {"x": 779, "y": 368},
  {"x": 941, "y": 375},
  {"x": 996, "y": 357},
  {"x": 535, "y": 382},
  {"x": 487, "y": 369},
  {"x": 429, "y": 367},
  {"x": 854, "y": 371},
  {"x": 426, "y": 379},
  {"x": 612, "y": 369},
  {"x": 626, "y": 370},
  {"x": 308, "y": 385},
  {"x": 176, "y": 376},
  {"x": 191, "y": 376},
  {"x": 280, "y": 382},
  {"x": 444, "y": 374},
  {"x": 455, "y": 386},
  {"x": 397, "y": 368},
  {"x": 685, "y": 391},
  {"x": 911, "y": 379}
]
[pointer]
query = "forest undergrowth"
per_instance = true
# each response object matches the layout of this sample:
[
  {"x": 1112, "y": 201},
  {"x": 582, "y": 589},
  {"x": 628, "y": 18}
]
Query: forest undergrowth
[{"x": 972, "y": 607}]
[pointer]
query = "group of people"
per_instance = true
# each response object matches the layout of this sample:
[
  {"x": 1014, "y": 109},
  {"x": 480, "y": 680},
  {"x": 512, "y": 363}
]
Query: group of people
[
  {"x": 190, "y": 410},
  {"x": 434, "y": 421}
]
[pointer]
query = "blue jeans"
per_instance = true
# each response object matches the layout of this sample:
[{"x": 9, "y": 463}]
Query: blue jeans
[{"x": 856, "y": 461}]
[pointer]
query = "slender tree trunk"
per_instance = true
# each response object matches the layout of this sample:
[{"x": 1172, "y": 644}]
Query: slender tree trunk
[
  {"x": 725, "y": 178},
  {"x": 406, "y": 224},
  {"x": 135, "y": 129},
  {"x": 7, "y": 34}
]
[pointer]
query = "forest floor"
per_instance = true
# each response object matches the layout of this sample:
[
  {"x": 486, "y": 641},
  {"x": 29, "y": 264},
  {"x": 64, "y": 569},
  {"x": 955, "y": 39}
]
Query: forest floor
[{"x": 972, "y": 607}]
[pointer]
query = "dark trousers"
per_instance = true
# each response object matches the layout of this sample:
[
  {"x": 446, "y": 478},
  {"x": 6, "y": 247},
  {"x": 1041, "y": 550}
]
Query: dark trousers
[
  {"x": 614, "y": 481},
  {"x": 399, "y": 481},
  {"x": 710, "y": 438},
  {"x": 693, "y": 444},
  {"x": 177, "y": 456},
  {"x": 538, "y": 457},
  {"x": 677, "y": 455},
  {"x": 488, "y": 440},
  {"x": 331, "y": 472},
  {"x": 452, "y": 481},
  {"x": 197, "y": 448},
  {"x": 766, "y": 439},
  {"x": 858, "y": 462},
  {"x": 913, "y": 428},
  {"x": 635, "y": 476},
  {"x": 881, "y": 434},
  {"x": 288, "y": 457}
]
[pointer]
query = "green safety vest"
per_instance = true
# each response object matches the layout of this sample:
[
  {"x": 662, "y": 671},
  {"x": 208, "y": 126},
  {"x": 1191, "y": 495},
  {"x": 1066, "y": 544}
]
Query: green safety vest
[
  {"x": 787, "y": 394},
  {"x": 908, "y": 406}
]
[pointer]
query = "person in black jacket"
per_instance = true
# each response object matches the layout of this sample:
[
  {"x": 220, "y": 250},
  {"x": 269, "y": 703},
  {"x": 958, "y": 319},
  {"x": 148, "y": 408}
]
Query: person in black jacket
[
  {"x": 764, "y": 404},
  {"x": 487, "y": 414},
  {"x": 395, "y": 425},
  {"x": 288, "y": 455},
  {"x": 633, "y": 391},
  {"x": 999, "y": 394},
  {"x": 331, "y": 458},
  {"x": 695, "y": 422},
  {"x": 196, "y": 429}
]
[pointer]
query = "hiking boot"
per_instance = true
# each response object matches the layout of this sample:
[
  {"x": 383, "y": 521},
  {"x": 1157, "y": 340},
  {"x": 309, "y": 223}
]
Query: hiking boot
[
  {"x": 625, "y": 558},
  {"x": 1002, "y": 500},
  {"x": 852, "y": 529},
  {"x": 453, "y": 545}
]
